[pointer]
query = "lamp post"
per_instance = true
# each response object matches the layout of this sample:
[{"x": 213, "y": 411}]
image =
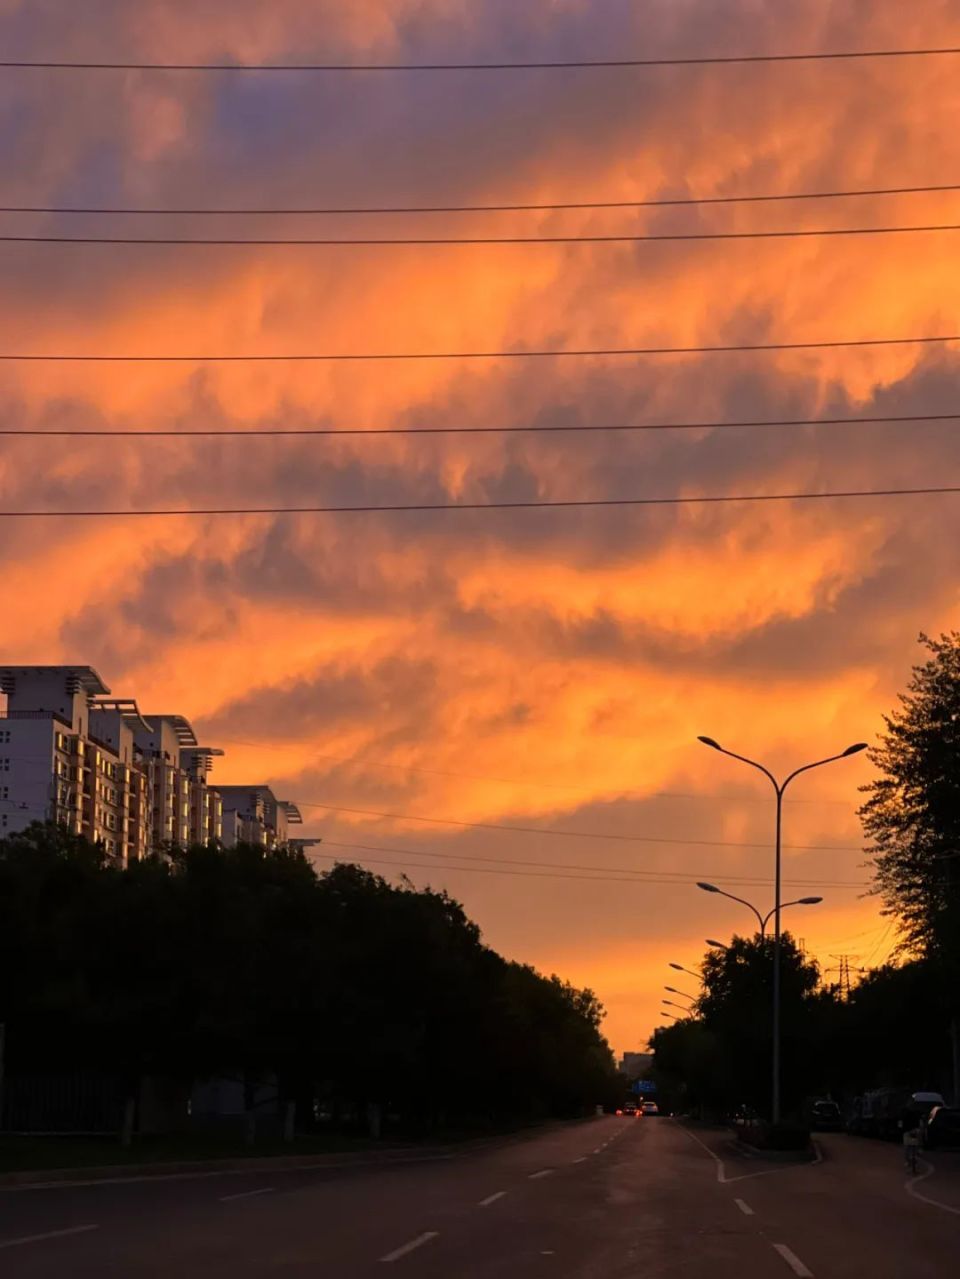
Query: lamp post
[
  {"x": 779, "y": 788},
  {"x": 673, "y": 991},
  {"x": 671, "y": 1004},
  {"x": 762, "y": 920}
]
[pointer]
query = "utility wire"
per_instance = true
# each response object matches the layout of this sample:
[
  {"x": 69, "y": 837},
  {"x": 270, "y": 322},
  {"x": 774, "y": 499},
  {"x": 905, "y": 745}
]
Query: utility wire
[
  {"x": 576, "y": 834},
  {"x": 554, "y": 207},
  {"x": 636, "y": 876},
  {"x": 538, "y": 429},
  {"x": 529, "y": 354},
  {"x": 398, "y": 507},
  {"x": 487, "y": 241},
  {"x": 552, "y": 65}
]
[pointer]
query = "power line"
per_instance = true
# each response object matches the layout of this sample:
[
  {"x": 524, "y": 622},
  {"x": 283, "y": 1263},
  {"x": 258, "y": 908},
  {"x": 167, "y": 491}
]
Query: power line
[
  {"x": 396, "y": 508},
  {"x": 576, "y": 834},
  {"x": 520, "y": 354},
  {"x": 481, "y": 240},
  {"x": 523, "y": 429},
  {"x": 622, "y": 874},
  {"x": 554, "y": 207},
  {"x": 552, "y": 65}
]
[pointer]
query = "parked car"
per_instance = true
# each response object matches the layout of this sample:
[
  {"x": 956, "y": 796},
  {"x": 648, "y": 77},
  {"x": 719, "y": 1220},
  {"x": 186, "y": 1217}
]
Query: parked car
[
  {"x": 824, "y": 1116},
  {"x": 943, "y": 1128}
]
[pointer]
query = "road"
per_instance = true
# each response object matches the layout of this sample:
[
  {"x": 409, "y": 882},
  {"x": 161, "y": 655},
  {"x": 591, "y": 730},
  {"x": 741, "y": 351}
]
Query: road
[{"x": 604, "y": 1199}]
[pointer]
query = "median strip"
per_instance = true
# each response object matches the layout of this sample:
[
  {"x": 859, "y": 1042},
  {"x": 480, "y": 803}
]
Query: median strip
[{"x": 409, "y": 1247}]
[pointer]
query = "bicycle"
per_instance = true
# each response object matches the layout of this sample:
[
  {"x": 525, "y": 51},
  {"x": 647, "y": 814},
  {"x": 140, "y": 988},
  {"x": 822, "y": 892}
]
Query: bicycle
[{"x": 911, "y": 1152}]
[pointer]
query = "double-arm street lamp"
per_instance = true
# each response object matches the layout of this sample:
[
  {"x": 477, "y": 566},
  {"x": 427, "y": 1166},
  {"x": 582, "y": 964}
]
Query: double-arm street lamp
[
  {"x": 762, "y": 920},
  {"x": 779, "y": 788}
]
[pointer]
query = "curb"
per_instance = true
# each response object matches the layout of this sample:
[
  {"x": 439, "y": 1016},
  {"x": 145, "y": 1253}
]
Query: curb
[{"x": 215, "y": 1167}]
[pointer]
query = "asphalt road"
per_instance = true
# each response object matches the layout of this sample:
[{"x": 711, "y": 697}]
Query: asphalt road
[{"x": 605, "y": 1199}]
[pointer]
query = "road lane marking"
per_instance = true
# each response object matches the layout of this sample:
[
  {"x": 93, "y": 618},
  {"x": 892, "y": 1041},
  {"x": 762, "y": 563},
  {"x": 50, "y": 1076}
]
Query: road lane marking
[
  {"x": 50, "y": 1234},
  {"x": 744, "y": 1208},
  {"x": 581, "y": 1160},
  {"x": 246, "y": 1194},
  {"x": 910, "y": 1185},
  {"x": 409, "y": 1247},
  {"x": 491, "y": 1199},
  {"x": 598, "y": 1149},
  {"x": 746, "y": 1176},
  {"x": 544, "y": 1172},
  {"x": 793, "y": 1261}
]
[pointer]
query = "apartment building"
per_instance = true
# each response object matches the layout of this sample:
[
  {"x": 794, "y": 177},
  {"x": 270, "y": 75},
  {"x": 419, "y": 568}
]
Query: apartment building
[
  {"x": 71, "y": 754},
  {"x": 254, "y": 815}
]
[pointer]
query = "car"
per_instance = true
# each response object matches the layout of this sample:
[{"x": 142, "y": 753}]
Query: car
[
  {"x": 825, "y": 1116},
  {"x": 943, "y": 1128},
  {"x": 628, "y": 1108},
  {"x": 650, "y": 1108}
]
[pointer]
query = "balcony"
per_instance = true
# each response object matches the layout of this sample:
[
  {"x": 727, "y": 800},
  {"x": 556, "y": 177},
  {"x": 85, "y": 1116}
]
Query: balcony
[{"x": 8, "y": 714}]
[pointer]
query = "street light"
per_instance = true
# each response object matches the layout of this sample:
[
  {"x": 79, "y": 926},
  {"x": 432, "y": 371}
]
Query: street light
[
  {"x": 673, "y": 991},
  {"x": 762, "y": 920},
  {"x": 719, "y": 945},
  {"x": 671, "y": 1004},
  {"x": 778, "y": 788},
  {"x": 670, "y": 1015},
  {"x": 689, "y": 971}
]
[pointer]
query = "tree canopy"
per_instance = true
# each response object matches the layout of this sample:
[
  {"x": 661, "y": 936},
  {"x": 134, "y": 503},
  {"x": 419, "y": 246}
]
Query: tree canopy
[{"x": 343, "y": 987}]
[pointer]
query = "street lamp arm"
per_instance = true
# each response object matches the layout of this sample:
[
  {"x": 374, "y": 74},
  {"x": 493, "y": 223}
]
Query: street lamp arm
[
  {"x": 798, "y": 901},
  {"x": 743, "y": 902},
  {"x": 753, "y": 764},
  {"x": 807, "y": 767}
]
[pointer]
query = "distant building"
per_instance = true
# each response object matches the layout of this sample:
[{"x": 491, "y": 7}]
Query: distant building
[
  {"x": 634, "y": 1065},
  {"x": 254, "y": 815},
  {"x": 135, "y": 783}
]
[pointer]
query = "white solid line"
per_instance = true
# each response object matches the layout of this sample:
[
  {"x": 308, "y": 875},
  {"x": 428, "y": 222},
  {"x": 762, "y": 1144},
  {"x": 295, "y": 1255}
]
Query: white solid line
[
  {"x": 246, "y": 1194},
  {"x": 51, "y": 1234},
  {"x": 491, "y": 1199},
  {"x": 581, "y": 1160},
  {"x": 934, "y": 1203},
  {"x": 744, "y": 1208},
  {"x": 544, "y": 1172},
  {"x": 793, "y": 1261},
  {"x": 409, "y": 1247}
]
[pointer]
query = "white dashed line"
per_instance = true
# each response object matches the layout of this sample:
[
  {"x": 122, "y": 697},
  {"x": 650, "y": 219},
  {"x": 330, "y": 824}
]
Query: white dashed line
[
  {"x": 598, "y": 1149},
  {"x": 544, "y": 1172},
  {"x": 246, "y": 1194},
  {"x": 491, "y": 1199},
  {"x": 409, "y": 1247},
  {"x": 744, "y": 1208},
  {"x": 581, "y": 1160},
  {"x": 793, "y": 1261},
  {"x": 51, "y": 1234}
]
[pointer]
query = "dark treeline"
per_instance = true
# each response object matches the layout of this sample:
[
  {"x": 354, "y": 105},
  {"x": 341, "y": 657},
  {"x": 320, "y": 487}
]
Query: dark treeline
[
  {"x": 347, "y": 991},
  {"x": 892, "y": 1031}
]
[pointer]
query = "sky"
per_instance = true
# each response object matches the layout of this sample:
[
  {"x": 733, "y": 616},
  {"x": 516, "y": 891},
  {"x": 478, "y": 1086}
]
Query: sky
[{"x": 515, "y": 668}]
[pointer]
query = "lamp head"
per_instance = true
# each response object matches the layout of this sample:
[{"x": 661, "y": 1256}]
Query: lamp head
[
  {"x": 678, "y": 967},
  {"x": 809, "y": 901},
  {"x": 720, "y": 945},
  {"x": 708, "y": 741},
  {"x": 707, "y": 888},
  {"x": 855, "y": 749}
]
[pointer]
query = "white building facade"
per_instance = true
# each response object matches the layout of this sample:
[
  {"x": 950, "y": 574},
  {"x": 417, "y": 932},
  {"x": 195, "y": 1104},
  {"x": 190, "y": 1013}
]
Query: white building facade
[{"x": 134, "y": 783}]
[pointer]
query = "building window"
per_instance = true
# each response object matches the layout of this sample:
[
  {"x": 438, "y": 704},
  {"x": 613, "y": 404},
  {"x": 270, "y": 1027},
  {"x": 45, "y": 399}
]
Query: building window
[
  {"x": 5, "y": 765},
  {"x": 4, "y": 734}
]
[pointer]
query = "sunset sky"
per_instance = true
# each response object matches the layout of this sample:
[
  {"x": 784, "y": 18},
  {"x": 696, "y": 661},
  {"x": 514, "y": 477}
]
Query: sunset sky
[{"x": 512, "y": 668}]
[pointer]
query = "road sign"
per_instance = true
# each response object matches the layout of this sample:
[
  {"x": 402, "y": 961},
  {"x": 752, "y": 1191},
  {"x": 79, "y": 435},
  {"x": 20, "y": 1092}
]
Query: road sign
[{"x": 644, "y": 1086}]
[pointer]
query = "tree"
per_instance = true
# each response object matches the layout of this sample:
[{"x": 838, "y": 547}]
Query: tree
[{"x": 912, "y": 819}]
